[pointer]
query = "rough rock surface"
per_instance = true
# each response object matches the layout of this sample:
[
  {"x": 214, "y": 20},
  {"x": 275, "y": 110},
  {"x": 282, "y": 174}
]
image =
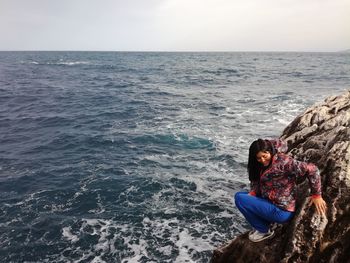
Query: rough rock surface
[{"x": 320, "y": 135}]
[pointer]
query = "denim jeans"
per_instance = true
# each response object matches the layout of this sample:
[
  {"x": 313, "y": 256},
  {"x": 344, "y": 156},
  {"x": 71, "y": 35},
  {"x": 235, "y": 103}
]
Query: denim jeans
[{"x": 259, "y": 212}]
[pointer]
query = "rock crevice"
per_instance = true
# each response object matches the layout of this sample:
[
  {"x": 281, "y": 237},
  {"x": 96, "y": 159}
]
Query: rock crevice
[{"x": 320, "y": 135}]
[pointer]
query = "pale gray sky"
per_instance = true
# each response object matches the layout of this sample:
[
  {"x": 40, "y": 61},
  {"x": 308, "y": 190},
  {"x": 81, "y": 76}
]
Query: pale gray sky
[{"x": 175, "y": 25}]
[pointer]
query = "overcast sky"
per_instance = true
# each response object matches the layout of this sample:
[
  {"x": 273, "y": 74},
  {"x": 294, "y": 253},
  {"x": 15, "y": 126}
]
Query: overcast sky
[{"x": 175, "y": 25}]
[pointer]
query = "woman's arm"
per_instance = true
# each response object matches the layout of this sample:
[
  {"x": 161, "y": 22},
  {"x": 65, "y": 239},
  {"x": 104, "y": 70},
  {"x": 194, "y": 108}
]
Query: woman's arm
[{"x": 309, "y": 170}]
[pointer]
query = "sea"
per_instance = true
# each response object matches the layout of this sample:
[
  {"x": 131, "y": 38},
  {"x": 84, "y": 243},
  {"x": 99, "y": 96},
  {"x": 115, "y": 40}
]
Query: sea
[{"x": 136, "y": 156}]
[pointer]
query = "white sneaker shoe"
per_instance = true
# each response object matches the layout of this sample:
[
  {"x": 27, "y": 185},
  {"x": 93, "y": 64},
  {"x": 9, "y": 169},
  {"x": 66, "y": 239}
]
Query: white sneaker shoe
[
  {"x": 273, "y": 227},
  {"x": 257, "y": 236}
]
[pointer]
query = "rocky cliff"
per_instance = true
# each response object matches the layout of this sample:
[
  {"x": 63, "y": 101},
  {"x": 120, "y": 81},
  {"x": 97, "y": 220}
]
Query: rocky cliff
[{"x": 320, "y": 135}]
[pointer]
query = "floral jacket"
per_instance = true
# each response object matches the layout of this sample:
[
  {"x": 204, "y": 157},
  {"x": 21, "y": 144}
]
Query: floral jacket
[{"x": 278, "y": 182}]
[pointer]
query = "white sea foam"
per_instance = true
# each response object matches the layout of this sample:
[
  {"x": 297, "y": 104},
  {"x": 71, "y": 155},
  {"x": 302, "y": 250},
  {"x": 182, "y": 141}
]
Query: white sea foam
[
  {"x": 109, "y": 231},
  {"x": 60, "y": 62},
  {"x": 72, "y": 63},
  {"x": 184, "y": 243},
  {"x": 100, "y": 208},
  {"x": 66, "y": 232},
  {"x": 97, "y": 259},
  {"x": 95, "y": 227}
]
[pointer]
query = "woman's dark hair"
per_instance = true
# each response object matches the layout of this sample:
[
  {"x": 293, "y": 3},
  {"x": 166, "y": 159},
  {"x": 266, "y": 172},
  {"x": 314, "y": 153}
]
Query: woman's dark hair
[{"x": 254, "y": 167}]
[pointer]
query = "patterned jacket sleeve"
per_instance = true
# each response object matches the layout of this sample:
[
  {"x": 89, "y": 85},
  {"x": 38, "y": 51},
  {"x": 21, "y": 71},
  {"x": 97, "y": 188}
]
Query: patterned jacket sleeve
[
  {"x": 301, "y": 169},
  {"x": 280, "y": 145},
  {"x": 254, "y": 188}
]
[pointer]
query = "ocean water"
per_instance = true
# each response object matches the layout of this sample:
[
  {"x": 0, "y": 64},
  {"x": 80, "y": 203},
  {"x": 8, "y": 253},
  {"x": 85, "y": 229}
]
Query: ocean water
[{"x": 135, "y": 157}]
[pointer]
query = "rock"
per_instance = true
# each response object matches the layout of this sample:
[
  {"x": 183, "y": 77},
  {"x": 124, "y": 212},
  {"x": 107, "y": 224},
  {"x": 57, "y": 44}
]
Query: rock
[{"x": 320, "y": 135}]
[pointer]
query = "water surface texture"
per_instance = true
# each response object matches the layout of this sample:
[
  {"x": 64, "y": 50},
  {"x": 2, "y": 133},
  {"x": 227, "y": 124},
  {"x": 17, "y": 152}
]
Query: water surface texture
[{"x": 135, "y": 157}]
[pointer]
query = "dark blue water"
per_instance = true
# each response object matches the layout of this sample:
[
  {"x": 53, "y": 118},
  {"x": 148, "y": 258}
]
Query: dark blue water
[{"x": 134, "y": 157}]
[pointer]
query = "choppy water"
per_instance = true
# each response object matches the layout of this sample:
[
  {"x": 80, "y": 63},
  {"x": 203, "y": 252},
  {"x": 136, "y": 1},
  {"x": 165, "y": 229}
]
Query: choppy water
[{"x": 134, "y": 157}]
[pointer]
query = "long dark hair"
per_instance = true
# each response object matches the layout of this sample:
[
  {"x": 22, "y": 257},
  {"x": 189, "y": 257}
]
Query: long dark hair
[{"x": 254, "y": 167}]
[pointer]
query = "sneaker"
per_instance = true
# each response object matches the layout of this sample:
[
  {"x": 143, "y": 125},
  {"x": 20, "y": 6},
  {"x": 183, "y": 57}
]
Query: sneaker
[
  {"x": 257, "y": 236},
  {"x": 273, "y": 227}
]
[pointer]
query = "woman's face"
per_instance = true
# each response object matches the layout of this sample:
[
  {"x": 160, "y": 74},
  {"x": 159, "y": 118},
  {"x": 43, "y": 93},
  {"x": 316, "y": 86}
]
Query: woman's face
[{"x": 263, "y": 157}]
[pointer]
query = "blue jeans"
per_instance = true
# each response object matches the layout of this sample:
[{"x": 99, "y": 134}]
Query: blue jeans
[{"x": 259, "y": 212}]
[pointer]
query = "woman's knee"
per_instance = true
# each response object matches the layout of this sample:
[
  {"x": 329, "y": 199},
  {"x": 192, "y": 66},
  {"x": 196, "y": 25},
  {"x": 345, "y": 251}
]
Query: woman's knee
[{"x": 239, "y": 196}]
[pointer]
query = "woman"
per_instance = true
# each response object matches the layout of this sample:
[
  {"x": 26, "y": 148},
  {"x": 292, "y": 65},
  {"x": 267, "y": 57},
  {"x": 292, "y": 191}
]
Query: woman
[{"x": 273, "y": 176}]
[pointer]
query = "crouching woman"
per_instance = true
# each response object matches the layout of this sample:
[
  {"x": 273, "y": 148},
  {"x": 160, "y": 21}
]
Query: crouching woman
[{"x": 272, "y": 197}]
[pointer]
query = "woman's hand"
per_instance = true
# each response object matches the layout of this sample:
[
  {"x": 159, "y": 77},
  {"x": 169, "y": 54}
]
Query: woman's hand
[{"x": 320, "y": 204}]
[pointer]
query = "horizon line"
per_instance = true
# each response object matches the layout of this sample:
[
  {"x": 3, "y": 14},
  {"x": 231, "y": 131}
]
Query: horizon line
[{"x": 179, "y": 51}]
